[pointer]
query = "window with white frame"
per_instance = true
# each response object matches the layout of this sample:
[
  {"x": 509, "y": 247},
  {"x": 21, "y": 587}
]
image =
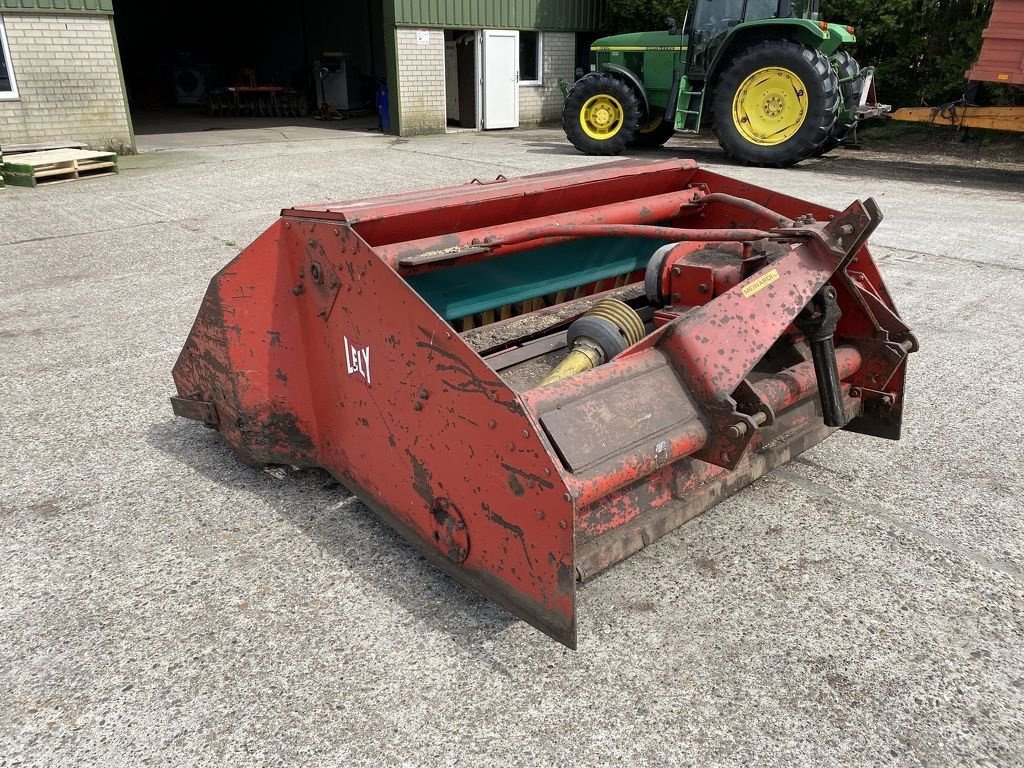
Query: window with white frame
[
  {"x": 531, "y": 58},
  {"x": 8, "y": 88}
]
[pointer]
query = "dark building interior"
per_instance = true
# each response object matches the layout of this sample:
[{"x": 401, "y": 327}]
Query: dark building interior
[{"x": 174, "y": 53}]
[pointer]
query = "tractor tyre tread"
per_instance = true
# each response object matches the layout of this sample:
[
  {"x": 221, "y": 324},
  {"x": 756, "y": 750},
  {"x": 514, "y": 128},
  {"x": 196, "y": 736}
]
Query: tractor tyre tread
[
  {"x": 587, "y": 87},
  {"x": 822, "y": 85},
  {"x": 655, "y": 138},
  {"x": 851, "y": 90}
]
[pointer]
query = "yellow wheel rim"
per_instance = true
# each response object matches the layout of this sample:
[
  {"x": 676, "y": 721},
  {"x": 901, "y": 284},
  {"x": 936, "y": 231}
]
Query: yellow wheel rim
[
  {"x": 770, "y": 106},
  {"x": 601, "y": 117}
]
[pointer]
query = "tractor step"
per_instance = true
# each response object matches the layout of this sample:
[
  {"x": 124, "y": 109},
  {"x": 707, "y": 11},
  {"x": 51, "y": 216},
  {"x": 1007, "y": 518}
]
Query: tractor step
[{"x": 689, "y": 110}]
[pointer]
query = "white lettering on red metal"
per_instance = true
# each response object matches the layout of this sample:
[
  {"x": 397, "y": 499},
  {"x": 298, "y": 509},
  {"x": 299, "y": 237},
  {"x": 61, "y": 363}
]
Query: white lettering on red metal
[{"x": 357, "y": 359}]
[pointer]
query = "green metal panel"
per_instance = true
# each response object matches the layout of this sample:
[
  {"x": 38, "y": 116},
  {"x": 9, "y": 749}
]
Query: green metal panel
[
  {"x": 652, "y": 56},
  {"x": 57, "y": 6},
  {"x": 553, "y": 15},
  {"x": 391, "y": 62}
]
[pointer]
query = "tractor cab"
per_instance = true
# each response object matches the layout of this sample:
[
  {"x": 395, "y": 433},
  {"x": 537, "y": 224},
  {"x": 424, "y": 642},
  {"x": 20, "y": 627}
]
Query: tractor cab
[{"x": 712, "y": 20}]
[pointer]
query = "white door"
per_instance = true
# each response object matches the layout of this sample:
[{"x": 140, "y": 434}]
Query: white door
[{"x": 500, "y": 78}]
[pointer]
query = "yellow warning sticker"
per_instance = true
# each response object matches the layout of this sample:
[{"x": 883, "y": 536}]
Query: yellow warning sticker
[{"x": 762, "y": 282}]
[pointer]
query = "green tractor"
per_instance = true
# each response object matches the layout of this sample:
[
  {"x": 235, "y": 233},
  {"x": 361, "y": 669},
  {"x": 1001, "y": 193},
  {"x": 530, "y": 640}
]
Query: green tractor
[{"x": 776, "y": 84}]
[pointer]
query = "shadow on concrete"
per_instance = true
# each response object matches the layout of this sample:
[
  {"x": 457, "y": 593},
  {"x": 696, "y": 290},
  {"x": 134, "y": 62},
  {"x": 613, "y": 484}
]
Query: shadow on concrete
[
  {"x": 345, "y": 529},
  {"x": 848, "y": 163},
  {"x": 551, "y": 148},
  {"x": 703, "y": 152},
  {"x": 147, "y": 122}
]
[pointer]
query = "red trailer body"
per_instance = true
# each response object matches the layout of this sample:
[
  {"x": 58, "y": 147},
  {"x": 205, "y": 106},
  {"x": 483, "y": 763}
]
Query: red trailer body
[{"x": 1002, "y": 46}]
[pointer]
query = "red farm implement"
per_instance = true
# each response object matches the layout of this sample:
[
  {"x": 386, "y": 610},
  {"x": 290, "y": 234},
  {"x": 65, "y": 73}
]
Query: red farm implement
[{"x": 533, "y": 379}]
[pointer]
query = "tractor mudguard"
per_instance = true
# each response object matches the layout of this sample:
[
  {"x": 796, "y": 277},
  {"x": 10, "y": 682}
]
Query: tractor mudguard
[
  {"x": 532, "y": 379},
  {"x": 801, "y": 30},
  {"x": 842, "y": 33},
  {"x": 641, "y": 92}
]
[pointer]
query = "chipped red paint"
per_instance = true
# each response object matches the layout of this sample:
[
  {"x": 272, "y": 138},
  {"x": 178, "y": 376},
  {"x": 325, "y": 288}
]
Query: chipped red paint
[
  {"x": 311, "y": 349},
  {"x": 414, "y": 435}
]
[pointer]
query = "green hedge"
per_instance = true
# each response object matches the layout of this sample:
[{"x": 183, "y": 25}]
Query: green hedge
[
  {"x": 642, "y": 15},
  {"x": 920, "y": 49}
]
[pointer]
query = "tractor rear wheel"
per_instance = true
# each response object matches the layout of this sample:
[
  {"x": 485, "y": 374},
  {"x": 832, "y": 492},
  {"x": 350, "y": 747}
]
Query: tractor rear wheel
[
  {"x": 655, "y": 133},
  {"x": 775, "y": 104},
  {"x": 849, "y": 70},
  {"x": 601, "y": 115}
]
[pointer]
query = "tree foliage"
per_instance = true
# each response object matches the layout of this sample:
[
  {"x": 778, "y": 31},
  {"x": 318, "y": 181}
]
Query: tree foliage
[
  {"x": 920, "y": 48},
  {"x": 642, "y": 15}
]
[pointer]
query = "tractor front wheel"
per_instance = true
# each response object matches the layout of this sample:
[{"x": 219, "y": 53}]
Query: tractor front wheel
[
  {"x": 775, "y": 104},
  {"x": 601, "y": 115}
]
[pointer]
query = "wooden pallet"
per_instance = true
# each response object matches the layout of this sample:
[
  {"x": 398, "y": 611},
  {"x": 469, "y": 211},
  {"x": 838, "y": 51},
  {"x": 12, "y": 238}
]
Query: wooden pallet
[{"x": 30, "y": 169}]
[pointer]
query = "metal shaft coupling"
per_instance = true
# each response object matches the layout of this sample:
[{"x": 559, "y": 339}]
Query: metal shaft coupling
[{"x": 601, "y": 333}]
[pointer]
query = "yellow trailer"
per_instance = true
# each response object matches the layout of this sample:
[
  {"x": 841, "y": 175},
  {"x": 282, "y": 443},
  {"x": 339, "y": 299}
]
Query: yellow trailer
[{"x": 965, "y": 116}]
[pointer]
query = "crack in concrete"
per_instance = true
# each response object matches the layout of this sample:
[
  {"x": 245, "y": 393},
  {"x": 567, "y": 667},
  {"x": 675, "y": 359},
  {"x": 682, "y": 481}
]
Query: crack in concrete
[
  {"x": 505, "y": 165},
  {"x": 179, "y": 223},
  {"x": 880, "y": 513},
  {"x": 87, "y": 232},
  {"x": 977, "y": 262}
]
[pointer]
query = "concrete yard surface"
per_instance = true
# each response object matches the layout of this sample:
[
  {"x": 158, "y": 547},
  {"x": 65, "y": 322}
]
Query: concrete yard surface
[{"x": 163, "y": 604}]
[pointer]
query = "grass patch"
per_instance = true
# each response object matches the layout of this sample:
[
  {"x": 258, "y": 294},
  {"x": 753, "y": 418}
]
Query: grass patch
[{"x": 121, "y": 148}]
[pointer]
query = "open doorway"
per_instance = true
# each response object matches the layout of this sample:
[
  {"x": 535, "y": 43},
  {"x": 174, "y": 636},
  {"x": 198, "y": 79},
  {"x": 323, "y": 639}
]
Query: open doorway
[
  {"x": 460, "y": 78},
  {"x": 192, "y": 66}
]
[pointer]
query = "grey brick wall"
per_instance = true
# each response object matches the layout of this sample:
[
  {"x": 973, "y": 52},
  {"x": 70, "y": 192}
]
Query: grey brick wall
[
  {"x": 69, "y": 87},
  {"x": 540, "y": 103},
  {"x": 420, "y": 82}
]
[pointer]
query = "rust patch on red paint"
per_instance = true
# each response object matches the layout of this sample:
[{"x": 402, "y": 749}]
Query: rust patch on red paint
[{"x": 512, "y": 528}]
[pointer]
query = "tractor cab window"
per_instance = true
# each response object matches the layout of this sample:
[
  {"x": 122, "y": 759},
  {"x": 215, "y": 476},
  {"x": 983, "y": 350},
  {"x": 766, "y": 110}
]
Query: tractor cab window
[
  {"x": 712, "y": 20},
  {"x": 761, "y": 9},
  {"x": 802, "y": 9},
  {"x": 714, "y": 17}
]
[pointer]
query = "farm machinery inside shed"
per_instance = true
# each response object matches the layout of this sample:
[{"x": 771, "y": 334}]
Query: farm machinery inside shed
[{"x": 229, "y": 59}]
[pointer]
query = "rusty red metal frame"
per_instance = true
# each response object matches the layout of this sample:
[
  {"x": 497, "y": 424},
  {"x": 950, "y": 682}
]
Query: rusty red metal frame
[{"x": 312, "y": 349}]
